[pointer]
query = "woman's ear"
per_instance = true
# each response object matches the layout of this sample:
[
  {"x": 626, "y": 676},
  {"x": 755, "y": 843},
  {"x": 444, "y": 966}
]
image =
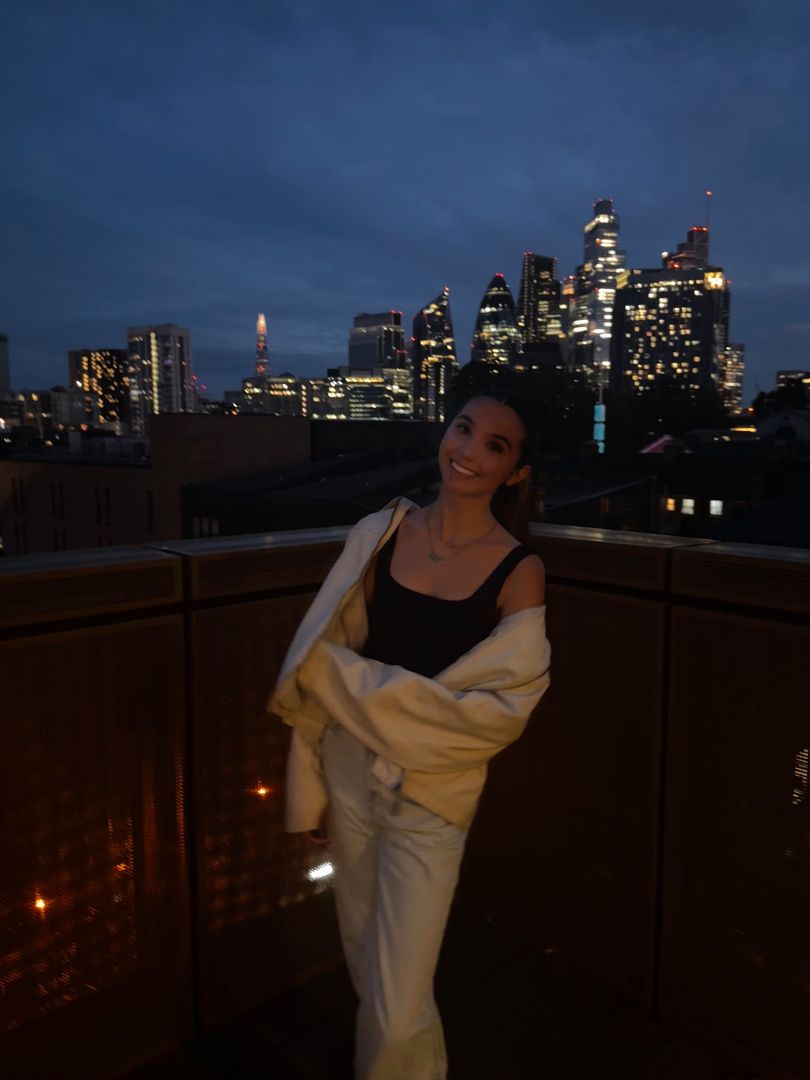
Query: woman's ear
[{"x": 518, "y": 475}]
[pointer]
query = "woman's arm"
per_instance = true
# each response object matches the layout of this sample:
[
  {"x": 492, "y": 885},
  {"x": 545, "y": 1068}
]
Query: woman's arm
[{"x": 414, "y": 721}]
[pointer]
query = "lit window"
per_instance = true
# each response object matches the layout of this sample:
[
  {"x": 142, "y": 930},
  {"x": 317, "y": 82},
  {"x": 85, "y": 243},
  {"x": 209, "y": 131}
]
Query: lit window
[
  {"x": 715, "y": 506},
  {"x": 688, "y": 506},
  {"x": 672, "y": 504}
]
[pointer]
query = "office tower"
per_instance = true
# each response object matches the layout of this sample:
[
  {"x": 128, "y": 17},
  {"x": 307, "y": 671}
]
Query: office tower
[
  {"x": 269, "y": 395},
  {"x": 101, "y": 375},
  {"x": 68, "y": 407},
  {"x": 377, "y": 341},
  {"x": 5, "y": 371},
  {"x": 324, "y": 398},
  {"x": 367, "y": 397},
  {"x": 730, "y": 375},
  {"x": 433, "y": 352},
  {"x": 280, "y": 394},
  {"x": 568, "y": 287},
  {"x": 784, "y": 378},
  {"x": 692, "y": 253},
  {"x": 261, "y": 347},
  {"x": 496, "y": 338},
  {"x": 673, "y": 321},
  {"x": 160, "y": 378},
  {"x": 538, "y": 312},
  {"x": 399, "y": 391},
  {"x": 591, "y": 309}
]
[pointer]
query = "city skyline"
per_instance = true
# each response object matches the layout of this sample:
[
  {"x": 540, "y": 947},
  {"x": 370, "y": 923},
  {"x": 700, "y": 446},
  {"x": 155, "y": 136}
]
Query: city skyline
[{"x": 240, "y": 187}]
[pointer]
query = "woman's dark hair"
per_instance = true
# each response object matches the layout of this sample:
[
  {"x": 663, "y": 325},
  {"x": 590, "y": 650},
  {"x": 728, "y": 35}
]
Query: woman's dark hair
[{"x": 511, "y": 504}]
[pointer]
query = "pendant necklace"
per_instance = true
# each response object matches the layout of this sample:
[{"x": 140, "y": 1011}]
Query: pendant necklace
[{"x": 456, "y": 547}]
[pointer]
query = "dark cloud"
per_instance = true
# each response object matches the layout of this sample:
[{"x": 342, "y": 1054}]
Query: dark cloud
[{"x": 199, "y": 164}]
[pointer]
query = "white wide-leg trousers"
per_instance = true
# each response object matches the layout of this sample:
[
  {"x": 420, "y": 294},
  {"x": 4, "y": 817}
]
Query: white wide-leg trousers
[{"x": 396, "y": 868}]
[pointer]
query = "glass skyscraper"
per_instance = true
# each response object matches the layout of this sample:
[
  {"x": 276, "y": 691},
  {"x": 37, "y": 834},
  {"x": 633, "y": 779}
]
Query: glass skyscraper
[
  {"x": 538, "y": 310},
  {"x": 591, "y": 307},
  {"x": 433, "y": 351},
  {"x": 377, "y": 341},
  {"x": 496, "y": 338},
  {"x": 160, "y": 377}
]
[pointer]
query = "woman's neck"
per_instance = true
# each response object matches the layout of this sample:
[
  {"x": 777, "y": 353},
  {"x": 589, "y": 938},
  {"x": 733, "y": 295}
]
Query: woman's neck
[{"x": 457, "y": 520}]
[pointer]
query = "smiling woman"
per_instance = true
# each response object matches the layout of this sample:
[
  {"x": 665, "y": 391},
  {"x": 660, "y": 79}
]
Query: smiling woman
[{"x": 396, "y": 729}]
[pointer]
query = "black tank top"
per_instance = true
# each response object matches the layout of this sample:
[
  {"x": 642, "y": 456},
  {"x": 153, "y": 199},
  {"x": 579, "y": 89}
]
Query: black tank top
[{"x": 427, "y": 633}]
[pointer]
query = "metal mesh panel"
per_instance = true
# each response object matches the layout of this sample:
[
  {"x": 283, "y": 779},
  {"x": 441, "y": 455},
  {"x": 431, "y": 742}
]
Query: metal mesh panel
[
  {"x": 565, "y": 840},
  {"x": 736, "y": 936},
  {"x": 251, "y": 874},
  {"x": 68, "y": 585},
  {"x": 93, "y": 927}
]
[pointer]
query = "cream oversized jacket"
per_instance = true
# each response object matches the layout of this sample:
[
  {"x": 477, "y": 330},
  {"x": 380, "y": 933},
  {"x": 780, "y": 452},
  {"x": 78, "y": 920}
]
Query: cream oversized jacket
[{"x": 435, "y": 736}]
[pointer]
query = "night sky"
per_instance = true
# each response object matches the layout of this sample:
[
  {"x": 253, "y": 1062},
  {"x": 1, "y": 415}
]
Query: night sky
[{"x": 198, "y": 163}]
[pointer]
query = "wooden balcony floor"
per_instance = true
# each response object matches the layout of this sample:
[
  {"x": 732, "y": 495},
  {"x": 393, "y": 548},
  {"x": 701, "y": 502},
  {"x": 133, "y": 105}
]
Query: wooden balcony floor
[{"x": 510, "y": 1009}]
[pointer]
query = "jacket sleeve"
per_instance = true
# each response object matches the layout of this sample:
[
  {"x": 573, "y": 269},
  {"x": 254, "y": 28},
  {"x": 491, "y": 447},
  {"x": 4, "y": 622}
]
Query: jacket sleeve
[{"x": 415, "y": 721}]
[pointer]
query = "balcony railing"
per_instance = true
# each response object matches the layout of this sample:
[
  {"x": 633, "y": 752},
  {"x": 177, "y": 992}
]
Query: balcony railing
[{"x": 652, "y": 824}]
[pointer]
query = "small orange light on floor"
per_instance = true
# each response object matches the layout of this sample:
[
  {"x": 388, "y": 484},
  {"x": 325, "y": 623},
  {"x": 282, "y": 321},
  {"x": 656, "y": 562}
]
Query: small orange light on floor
[
  {"x": 261, "y": 791},
  {"x": 39, "y": 903}
]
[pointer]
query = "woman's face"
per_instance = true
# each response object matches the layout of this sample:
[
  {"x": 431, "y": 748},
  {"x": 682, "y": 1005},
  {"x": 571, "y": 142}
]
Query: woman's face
[{"x": 484, "y": 441}]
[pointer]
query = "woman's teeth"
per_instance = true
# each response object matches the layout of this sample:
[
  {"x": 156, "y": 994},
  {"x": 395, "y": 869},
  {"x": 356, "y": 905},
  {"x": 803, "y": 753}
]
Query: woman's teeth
[{"x": 463, "y": 471}]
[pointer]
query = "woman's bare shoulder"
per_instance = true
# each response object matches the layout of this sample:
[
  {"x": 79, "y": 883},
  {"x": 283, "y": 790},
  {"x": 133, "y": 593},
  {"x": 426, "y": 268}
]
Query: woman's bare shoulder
[{"x": 524, "y": 587}]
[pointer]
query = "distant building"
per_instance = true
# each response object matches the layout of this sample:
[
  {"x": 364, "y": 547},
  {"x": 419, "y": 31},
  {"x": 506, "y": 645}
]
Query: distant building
[
  {"x": 271, "y": 395},
  {"x": 398, "y": 384},
  {"x": 433, "y": 352},
  {"x": 160, "y": 374},
  {"x": 730, "y": 375},
  {"x": 102, "y": 377},
  {"x": 325, "y": 398},
  {"x": 262, "y": 360},
  {"x": 366, "y": 394},
  {"x": 538, "y": 310},
  {"x": 783, "y": 378},
  {"x": 692, "y": 253},
  {"x": 67, "y": 408},
  {"x": 377, "y": 341},
  {"x": 5, "y": 370},
  {"x": 496, "y": 338},
  {"x": 591, "y": 306},
  {"x": 674, "y": 321},
  {"x": 789, "y": 425}
]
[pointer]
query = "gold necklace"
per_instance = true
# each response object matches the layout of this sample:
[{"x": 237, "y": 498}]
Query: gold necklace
[{"x": 456, "y": 547}]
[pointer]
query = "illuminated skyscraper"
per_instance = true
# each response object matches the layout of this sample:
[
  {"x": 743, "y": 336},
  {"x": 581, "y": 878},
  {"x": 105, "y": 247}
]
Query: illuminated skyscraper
[
  {"x": 496, "y": 338},
  {"x": 160, "y": 378},
  {"x": 674, "y": 321},
  {"x": 731, "y": 372},
  {"x": 261, "y": 347},
  {"x": 377, "y": 341},
  {"x": 101, "y": 376},
  {"x": 433, "y": 351},
  {"x": 692, "y": 253},
  {"x": 784, "y": 378},
  {"x": 538, "y": 312},
  {"x": 591, "y": 311}
]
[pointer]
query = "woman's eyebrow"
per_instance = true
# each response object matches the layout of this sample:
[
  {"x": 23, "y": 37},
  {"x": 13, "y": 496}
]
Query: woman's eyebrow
[{"x": 492, "y": 434}]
